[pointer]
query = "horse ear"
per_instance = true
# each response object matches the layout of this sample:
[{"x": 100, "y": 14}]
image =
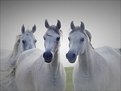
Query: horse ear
[
  {"x": 46, "y": 24},
  {"x": 33, "y": 28},
  {"x": 72, "y": 25},
  {"x": 58, "y": 26},
  {"x": 82, "y": 26},
  {"x": 23, "y": 29},
  {"x": 89, "y": 34}
]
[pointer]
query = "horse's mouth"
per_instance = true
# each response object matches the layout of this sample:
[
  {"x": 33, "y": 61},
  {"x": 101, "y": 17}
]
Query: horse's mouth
[
  {"x": 72, "y": 61},
  {"x": 48, "y": 61}
]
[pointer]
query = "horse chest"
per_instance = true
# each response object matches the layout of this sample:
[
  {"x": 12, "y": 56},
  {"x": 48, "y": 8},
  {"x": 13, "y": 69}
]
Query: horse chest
[
  {"x": 50, "y": 78},
  {"x": 53, "y": 78},
  {"x": 51, "y": 82}
]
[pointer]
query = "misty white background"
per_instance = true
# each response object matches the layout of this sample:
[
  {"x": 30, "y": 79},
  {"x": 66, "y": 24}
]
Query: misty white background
[{"x": 101, "y": 18}]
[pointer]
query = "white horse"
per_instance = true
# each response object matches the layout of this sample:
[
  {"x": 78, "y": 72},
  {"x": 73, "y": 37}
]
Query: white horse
[
  {"x": 38, "y": 71},
  {"x": 93, "y": 71},
  {"x": 24, "y": 42}
]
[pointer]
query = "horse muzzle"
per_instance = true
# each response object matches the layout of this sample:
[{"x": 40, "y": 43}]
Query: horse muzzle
[
  {"x": 48, "y": 56},
  {"x": 71, "y": 57}
]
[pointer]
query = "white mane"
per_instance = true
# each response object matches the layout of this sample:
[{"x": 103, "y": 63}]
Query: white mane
[
  {"x": 7, "y": 82},
  {"x": 17, "y": 50}
]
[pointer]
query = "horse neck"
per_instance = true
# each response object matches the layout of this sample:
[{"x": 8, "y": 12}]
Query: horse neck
[
  {"x": 85, "y": 60},
  {"x": 55, "y": 62}
]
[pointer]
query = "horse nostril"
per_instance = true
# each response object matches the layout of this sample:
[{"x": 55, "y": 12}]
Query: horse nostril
[
  {"x": 70, "y": 55},
  {"x": 67, "y": 55},
  {"x": 73, "y": 55},
  {"x": 23, "y": 41}
]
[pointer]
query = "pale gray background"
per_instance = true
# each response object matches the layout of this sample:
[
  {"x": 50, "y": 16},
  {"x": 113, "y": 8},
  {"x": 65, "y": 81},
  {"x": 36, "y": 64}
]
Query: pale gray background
[{"x": 101, "y": 18}]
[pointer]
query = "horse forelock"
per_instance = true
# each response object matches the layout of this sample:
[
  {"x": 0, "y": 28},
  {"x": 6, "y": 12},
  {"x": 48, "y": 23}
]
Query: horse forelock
[
  {"x": 28, "y": 32},
  {"x": 75, "y": 29},
  {"x": 53, "y": 28}
]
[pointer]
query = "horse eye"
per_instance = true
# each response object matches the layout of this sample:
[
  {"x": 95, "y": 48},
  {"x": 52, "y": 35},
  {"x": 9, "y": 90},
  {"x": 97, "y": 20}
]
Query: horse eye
[
  {"x": 69, "y": 38},
  {"x": 44, "y": 38},
  {"x": 58, "y": 38},
  {"x": 82, "y": 39},
  {"x": 19, "y": 41},
  {"x": 35, "y": 41},
  {"x": 23, "y": 41}
]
